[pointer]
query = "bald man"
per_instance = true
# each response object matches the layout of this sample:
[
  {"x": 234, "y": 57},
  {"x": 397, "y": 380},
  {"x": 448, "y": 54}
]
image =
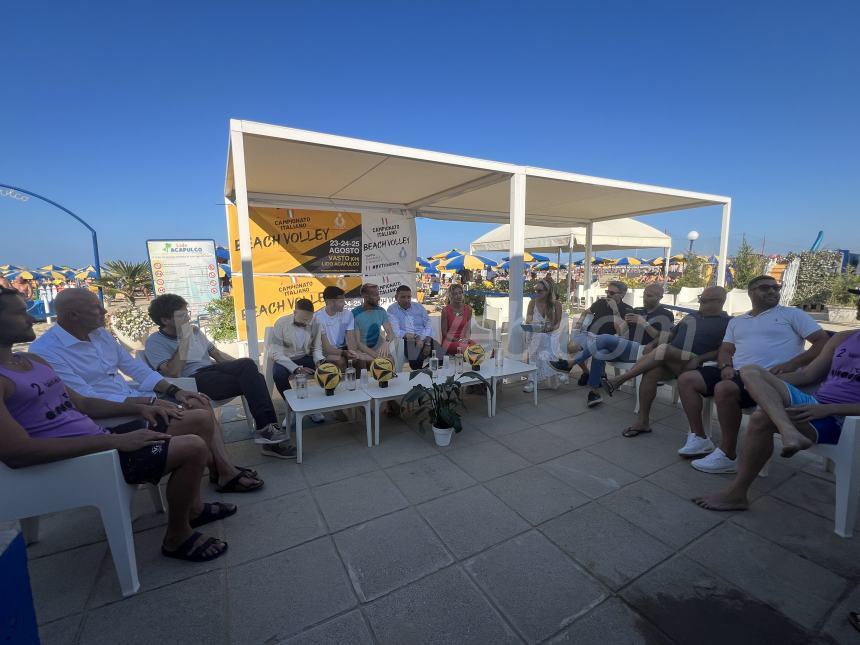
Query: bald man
[
  {"x": 692, "y": 342},
  {"x": 92, "y": 363}
]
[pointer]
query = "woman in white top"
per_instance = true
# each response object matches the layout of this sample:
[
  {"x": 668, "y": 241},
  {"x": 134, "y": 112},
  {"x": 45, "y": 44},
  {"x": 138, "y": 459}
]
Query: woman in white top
[{"x": 544, "y": 312}]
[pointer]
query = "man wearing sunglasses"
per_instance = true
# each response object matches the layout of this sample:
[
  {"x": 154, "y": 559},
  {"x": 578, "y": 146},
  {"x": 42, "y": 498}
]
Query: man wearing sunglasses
[{"x": 771, "y": 336}]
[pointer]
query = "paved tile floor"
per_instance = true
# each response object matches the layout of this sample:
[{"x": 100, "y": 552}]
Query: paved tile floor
[{"x": 539, "y": 525}]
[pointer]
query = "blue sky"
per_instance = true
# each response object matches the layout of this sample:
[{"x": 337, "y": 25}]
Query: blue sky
[{"x": 120, "y": 111}]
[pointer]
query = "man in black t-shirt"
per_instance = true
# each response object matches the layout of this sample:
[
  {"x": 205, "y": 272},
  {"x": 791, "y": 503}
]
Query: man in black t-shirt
[{"x": 615, "y": 333}]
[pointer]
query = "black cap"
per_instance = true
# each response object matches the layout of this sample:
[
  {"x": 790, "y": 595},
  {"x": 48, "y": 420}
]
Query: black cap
[{"x": 332, "y": 292}]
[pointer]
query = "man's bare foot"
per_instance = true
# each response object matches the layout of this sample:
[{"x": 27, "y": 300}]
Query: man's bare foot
[
  {"x": 722, "y": 502},
  {"x": 793, "y": 441}
]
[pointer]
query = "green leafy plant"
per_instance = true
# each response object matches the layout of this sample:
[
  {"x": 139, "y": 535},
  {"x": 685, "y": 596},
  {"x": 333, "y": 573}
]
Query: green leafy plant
[
  {"x": 815, "y": 277},
  {"x": 693, "y": 275},
  {"x": 132, "y": 322},
  {"x": 221, "y": 319},
  {"x": 130, "y": 279},
  {"x": 476, "y": 300},
  {"x": 839, "y": 286},
  {"x": 632, "y": 283},
  {"x": 748, "y": 264},
  {"x": 438, "y": 405}
]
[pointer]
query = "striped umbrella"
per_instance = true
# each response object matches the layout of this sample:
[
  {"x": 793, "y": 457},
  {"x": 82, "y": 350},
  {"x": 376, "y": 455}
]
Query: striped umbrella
[
  {"x": 9, "y": 267},
  {"x": 224, "y": 271},
  {"x": 447, "y": 255},
  {"x": 595, "y": 260},
  {"x": 543, "y": 266},
  {"x": 86, "y": 274},
  {"x": 530, "y": 257},
  {"x": 25, "y": 274},
  {"x": 471, "y": 262},
  {"x": 424, "y": 262},
  {"x": 628, "y": 262}
]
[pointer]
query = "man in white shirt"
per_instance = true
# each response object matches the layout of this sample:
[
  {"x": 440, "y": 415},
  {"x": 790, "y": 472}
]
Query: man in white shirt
[
  {"x": 335, "y": 325},
  {"x": 771, "y": 336},
  {"x": 92, "y": 363},
  {"x": 411, "y": 322}
]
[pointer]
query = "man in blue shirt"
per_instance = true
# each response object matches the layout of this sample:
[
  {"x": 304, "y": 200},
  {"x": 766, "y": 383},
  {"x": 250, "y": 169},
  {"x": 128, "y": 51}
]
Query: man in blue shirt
[
  {"x": 370, "y": 321},
  {"x": 411, "y": 322}
]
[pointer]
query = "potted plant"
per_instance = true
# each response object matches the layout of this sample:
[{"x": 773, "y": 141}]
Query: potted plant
[
  {"x": 131, "y": 326},
  {"x": 439, "y": 404}
]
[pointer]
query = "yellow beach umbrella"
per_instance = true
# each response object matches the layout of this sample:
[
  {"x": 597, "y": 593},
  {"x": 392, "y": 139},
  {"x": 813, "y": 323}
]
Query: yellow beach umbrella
[
  {"x": 470, "y": 262},
  {"x": 446, "y": 255}
]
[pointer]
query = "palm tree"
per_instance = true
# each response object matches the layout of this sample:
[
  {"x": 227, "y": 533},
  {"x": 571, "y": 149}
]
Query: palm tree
[{"x": 127, "y": 278}]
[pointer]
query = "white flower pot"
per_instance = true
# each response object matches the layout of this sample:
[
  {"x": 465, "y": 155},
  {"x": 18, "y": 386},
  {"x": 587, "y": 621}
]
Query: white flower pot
[{"x": 443, "y": 435}]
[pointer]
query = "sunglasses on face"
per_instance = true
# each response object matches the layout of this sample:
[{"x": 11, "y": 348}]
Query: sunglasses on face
[
  {"x": 707, "y": 300},
  {"x": 769, "y": 287},
  {"x": 611, "y": 293}
]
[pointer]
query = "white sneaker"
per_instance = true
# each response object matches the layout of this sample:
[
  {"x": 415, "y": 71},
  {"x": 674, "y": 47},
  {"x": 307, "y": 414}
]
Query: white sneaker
[
  {"x": 716, "y": 462},
  {"x": 529, "y": 387},
  {"x": 696, "y": 446},
  {"x": 316, "y": 417}
]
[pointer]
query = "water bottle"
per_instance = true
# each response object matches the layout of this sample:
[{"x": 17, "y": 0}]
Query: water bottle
[
  {"x": 458, "y": 363},
  {"x": 434, "y": 363},
  {"x": 365, "y": 378},
  {"x": 350, "y": 377},
  {"x": 301, "y": 385},
  {"x": 499, "y": 356}
]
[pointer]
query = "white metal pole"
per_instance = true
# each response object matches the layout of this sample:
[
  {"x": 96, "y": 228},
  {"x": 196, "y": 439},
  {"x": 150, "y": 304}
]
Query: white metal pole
[
  {"x": 589, "y": 235},
  {"x": 518, "y": 241},
  {"x": 558, "y": 264},
  {"x": 724, "y": 244},
  {"x": 237, "y": 147},
  {"x": 569, "y": 267},
  {"x": 668, "y": 254}
]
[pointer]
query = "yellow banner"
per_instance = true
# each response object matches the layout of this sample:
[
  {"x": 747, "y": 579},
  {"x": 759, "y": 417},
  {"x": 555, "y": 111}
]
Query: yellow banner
[
  {"x": 292, "y": 240},
  {"x": 276, "y": 296}
]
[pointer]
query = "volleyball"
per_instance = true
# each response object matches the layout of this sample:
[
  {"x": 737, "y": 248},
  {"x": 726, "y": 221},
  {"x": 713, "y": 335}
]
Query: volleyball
[
  {"x": 475, "y": 354},
  {"x": 382, "y": 370},
  {"x": 328, "y": 376}
]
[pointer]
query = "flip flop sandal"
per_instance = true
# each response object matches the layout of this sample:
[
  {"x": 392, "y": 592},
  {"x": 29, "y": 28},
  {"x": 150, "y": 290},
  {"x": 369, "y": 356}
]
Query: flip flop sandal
[
  {"x": 631, "y": 432},
  {"x": 854, "y": 619},
  {"x": 209, "y": 514},
  {"x": 236, "y": 486},
  {"x": 607, "y": 385},
  {"x": 190, "y": 551},
  {"x": 250, "y": 472}
]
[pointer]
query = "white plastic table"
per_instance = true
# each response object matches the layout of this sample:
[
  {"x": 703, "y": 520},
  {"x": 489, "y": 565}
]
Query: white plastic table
[
  {"x": 510, "y": 368},
  {"x": 317, "y": 401},
  {"x": 397, "y": 389}
]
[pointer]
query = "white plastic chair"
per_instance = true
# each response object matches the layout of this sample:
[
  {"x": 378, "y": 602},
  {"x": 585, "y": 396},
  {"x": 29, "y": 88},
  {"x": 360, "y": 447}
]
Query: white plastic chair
[
  {"x": 844, "y": 460},
  {"x": 91, "y": 480}
]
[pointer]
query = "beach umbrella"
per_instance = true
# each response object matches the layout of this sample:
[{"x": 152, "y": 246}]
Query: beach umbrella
[
  {"x": 57, "y": 275},
  {"x": 595, "y": 260},
  {"x": 471, "y": 262},
  {"x": 713, "y": 260},
  {"x": 51, "y": 267},
  {"x": 25, "y": 274},
  {"x": 222, "y": 254},
  {"x": 224, "y": 271},
  {"x": 627, "y": 262},
  {"x": 530, "y": 257},
  {"x": 542, "y": 266},
  {"x": 9, "y": 267},
  {"x": 86, "y": 274},
  {"x": 424, "y": 262},
  {"x": 447, "y": 255},
  {"x": 428, "y": 270}
]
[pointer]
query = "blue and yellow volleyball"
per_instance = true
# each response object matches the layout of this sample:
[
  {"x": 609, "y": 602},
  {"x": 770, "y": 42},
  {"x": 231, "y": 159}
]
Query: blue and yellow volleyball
[
  {"x": 475, "y": 354},
  {"x": 382, "y": 369},
  {"x": 327, "y": 375}
]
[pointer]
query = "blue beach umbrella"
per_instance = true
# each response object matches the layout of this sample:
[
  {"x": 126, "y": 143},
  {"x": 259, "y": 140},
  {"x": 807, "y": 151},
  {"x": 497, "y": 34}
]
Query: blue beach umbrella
[
  {"x": 471, "y": 262},
  {"x": 222, "y": 254}
]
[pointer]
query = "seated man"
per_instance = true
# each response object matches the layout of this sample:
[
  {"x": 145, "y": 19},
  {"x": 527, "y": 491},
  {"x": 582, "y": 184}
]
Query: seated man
[
  {"x": 410, "y": 321},
  {"x": 691, "y": 343},
  {"x": 41, "y": 420},
  {"x": 770, "y": 336},
  {"x": 179, "y": 348},
  {"x": 616, "y": 333},
  {"x": 334, "y": 325},
  {"x": 372, "y": 333},
  {"x": 92, "y": 363},
  {"x": 801, "y": 419},
  {"x": 296, "y": 347}
]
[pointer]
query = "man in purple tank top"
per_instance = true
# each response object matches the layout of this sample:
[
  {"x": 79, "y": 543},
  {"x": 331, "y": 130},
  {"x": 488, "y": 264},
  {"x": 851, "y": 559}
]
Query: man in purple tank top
[
  {"x": 801, "y": 419},
  {"x": 41, "y": 421}
]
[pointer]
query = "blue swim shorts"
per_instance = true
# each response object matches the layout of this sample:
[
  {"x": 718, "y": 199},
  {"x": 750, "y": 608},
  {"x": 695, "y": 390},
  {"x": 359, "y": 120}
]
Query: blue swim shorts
[{"x": 828, "y": 428}]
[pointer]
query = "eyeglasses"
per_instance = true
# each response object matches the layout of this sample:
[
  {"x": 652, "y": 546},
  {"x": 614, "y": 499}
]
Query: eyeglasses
[
  {"x": 769, "y": 287},
  {"x": 611, "y": 293}
]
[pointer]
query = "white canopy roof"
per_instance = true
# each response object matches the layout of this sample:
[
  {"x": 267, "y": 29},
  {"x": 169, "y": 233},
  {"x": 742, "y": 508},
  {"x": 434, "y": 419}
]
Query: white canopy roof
[{"x": 613, "y": 234}]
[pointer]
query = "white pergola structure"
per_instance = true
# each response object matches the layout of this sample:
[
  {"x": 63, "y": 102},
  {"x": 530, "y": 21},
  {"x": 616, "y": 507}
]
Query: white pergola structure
[{"x": 270, "y": 165}]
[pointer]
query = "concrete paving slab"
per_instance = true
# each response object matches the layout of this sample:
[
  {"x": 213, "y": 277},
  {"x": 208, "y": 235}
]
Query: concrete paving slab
[
  {"x": 607, "y": 416},
  {"x": 793, "y": 585},
  {"x": 62, "y": 582},
  {"x": 358, "y": 499},
  {"x": 258, "y": 530},
  {"x": 536, "y": 586},
  {"x": 641, "y": 455},
  {"x": 443, "y": 608},
  {"x": 337, "y": 463},
  {"x": 191, "y": 611},
  {"x": 471, "y": 520},
  {"x": 503, "y": 423},
  {"x": 813, "y": 494},
  {"x": 246, "y": 453},
  {"x": 281, "y": 595},
  {"x": 574, "y": 401},
  {"x": 378, "y": 564},
  {"x": 536, "y": 415},
  {"x": 429, "y": 478},
  {"x": 588, "y": 473},
  {"x": 280, "y": 476},
  {"x": 153, "y": 569},
  {"x": 579, "y": 435},
  {"x": 61, "y": 632},
  {"x": 487, "y": 460},
  {"x": 349, "y": 628},
  {"x": 837, "y": 627},
  {"x": 536, "y": 445},
  {"x": 809, "y": 536},
  {"x": 669, "y": 518},
  {"x": 67, "y": 530},
  {"x": 691, "y": 604},
  {"x": 536, "y": 495},
  {"x": 605, "y": 544},
  {"x": 401, "y": 448},
  {"x": 468, "y": 436},
  {"x": 612, "y": 622}
]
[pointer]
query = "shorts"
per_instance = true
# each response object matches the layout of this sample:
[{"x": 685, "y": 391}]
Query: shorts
[
  {"x": 145, "y": 465},
  {"x": 829, "y": 428},
  {"x": 711, "y": 376}
]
